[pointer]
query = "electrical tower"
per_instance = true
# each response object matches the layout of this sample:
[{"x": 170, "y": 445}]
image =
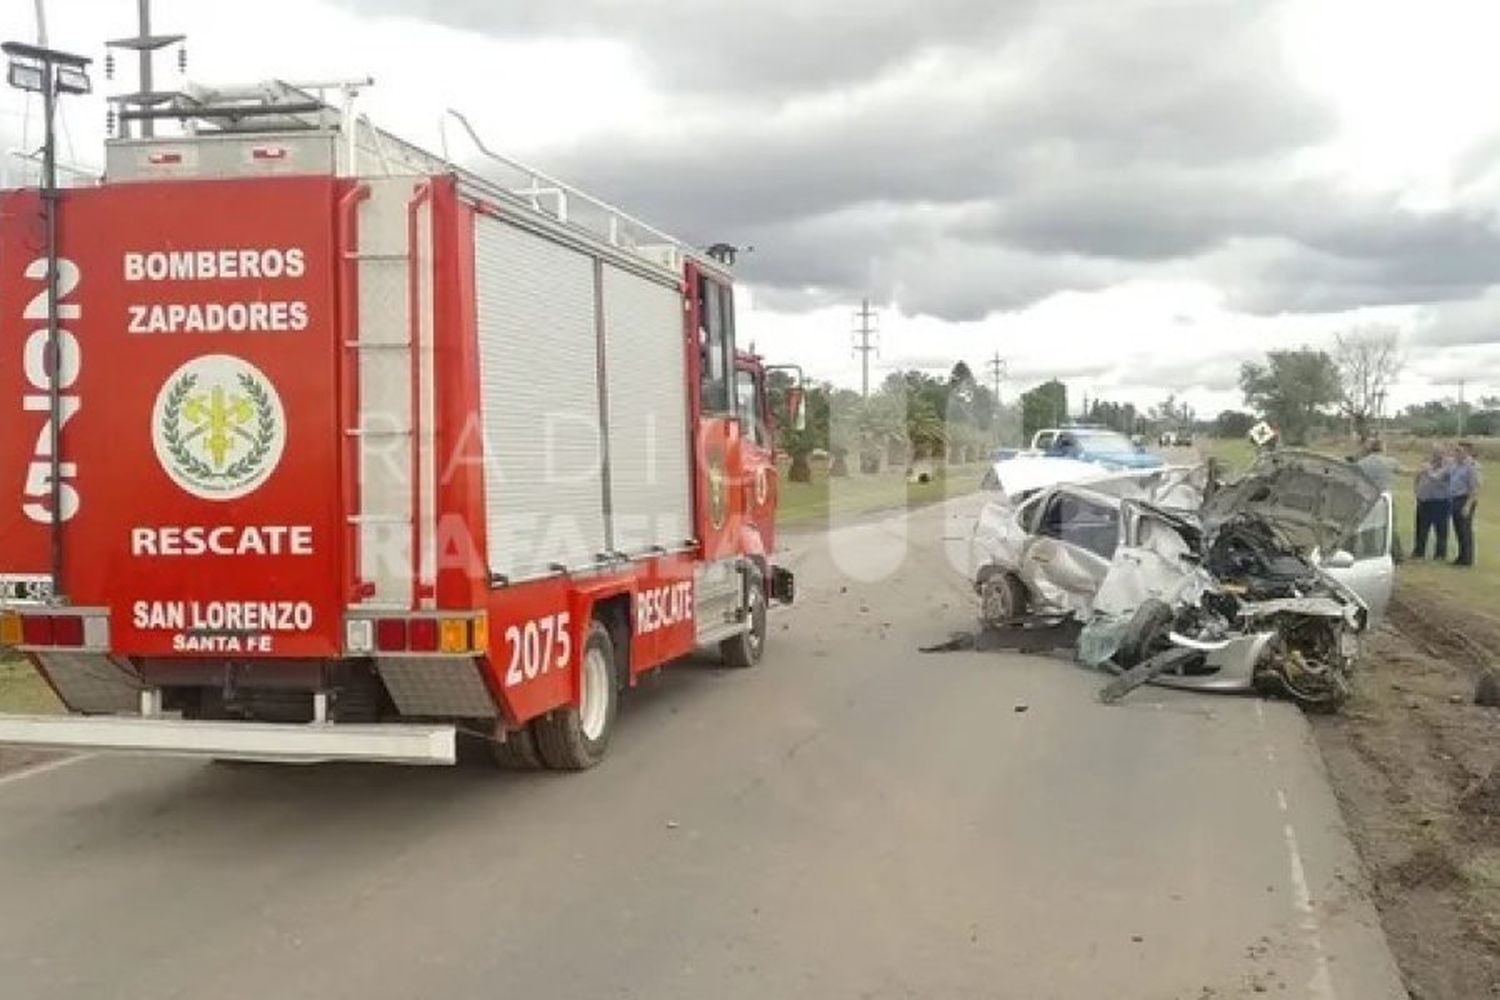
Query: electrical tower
[{"x": 864, "y": 343}]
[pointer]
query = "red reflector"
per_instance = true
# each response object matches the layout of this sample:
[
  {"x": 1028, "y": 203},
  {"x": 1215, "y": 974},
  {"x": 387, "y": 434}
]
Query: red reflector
[
  {"x": 158, "y": 159},
  {"x": 36, "y": 630},
  {"x": 424, "y": 635},
  {"x": 67, "y": 630},
  {"x": 390, "y": 635}
]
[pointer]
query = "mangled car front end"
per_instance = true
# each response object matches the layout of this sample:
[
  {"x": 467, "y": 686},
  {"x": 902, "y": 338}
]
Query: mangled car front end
[{"x": 1182, "y": 581}]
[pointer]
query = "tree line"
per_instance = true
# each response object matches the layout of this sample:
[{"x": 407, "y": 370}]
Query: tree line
[{"x": 911, "y": 416}]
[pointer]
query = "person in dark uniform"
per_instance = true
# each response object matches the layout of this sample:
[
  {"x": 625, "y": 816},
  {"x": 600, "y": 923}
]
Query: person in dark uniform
[
  {"x": 1433, "y": 506},
  {"x": 1464, "y": 484}
]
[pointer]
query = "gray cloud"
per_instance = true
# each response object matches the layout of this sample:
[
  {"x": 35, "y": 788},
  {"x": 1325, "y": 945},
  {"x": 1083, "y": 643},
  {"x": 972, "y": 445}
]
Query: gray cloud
[
  {"x": 746, "y": 51},
  {"x": 967, "y": 156}
]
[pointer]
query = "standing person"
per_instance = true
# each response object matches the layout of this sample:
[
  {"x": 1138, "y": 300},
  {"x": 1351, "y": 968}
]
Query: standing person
[
  {"x": 1433, "y": 505},
  {"x": 1464, "y": 485},
  {"x": 1381, "y": 470}
]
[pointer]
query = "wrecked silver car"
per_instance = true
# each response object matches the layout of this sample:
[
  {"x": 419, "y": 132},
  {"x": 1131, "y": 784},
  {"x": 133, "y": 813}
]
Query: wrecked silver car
[{"x": 1183, "y": 580}]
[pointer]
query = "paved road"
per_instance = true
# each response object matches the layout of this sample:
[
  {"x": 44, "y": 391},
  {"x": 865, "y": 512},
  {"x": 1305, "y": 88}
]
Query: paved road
[{"x": 851, "y": 819}]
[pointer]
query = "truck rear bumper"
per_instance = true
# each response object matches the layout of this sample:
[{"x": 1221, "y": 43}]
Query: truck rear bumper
[{"x": 291, "y": 743}]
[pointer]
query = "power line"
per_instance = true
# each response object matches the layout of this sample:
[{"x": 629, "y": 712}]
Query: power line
[{"x": 864, "y": 333}]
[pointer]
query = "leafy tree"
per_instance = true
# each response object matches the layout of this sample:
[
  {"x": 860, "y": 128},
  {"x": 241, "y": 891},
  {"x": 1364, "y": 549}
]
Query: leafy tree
[
  {"x": 1292, "y": 389},
  {"x": 1045, "y": 405},
  {"x": 1233, "y": 424}
]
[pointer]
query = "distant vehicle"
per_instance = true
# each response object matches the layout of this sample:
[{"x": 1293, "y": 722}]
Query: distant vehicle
[
  {"x": 1042, "y": 441},
  {"x": 1175, "y": 439},
  {"x": 1109, "y": 448}
]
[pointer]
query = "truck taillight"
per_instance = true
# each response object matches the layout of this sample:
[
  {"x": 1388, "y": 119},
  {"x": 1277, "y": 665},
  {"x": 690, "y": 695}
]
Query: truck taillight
[
  {"x": 67, "y": 630},
  {"x": 44, "y": 630},
  {"x": 36, "y": 630},
  {"x": 422, "y": 633},
  {"x": 460, "y": 634},
  {"x": 77, "y": 631},
  {"x": 390, "y": 635}
]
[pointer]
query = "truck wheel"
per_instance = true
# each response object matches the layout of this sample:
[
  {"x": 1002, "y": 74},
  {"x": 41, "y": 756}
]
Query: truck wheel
[
  {"x": 745, "y": 649},
  {"x": 518, "y": 752},
  {"x": 574, "y": 737}
]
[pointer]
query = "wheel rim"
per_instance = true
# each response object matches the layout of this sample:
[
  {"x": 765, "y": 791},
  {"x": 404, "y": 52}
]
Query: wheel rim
[
  {"x": 757, "y": 636},
  {"x": 593, "y": 706}
]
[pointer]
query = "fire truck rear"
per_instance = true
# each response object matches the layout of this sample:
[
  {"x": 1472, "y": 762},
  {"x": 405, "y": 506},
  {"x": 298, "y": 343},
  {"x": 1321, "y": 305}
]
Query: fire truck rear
[{"x": 345, "y": 452}]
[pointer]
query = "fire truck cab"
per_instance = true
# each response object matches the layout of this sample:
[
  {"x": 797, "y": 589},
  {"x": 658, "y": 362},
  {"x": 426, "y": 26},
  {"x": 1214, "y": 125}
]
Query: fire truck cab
[{"x": 345, "y": 451}]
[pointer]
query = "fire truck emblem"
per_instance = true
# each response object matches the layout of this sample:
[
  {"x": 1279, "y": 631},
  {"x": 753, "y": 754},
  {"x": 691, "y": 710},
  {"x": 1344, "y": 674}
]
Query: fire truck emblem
[
  {"x": 218, "y": 427},
  {"x": 716, "y": 499}
]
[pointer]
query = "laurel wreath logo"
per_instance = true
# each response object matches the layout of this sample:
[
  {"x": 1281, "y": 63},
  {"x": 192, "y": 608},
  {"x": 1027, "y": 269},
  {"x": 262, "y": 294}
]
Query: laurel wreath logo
[{"x": 190, "y": 464}]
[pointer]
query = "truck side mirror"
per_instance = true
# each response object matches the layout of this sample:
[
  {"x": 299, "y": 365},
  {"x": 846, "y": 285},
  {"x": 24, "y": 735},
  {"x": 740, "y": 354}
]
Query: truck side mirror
[{"x": 796, "y": 408}]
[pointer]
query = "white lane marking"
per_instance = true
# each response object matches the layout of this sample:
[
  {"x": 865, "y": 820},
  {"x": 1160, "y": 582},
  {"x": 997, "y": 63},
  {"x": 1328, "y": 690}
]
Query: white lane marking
[
  {"x": 1320, "y": 986},
  {"x": 39, "y": 769}
]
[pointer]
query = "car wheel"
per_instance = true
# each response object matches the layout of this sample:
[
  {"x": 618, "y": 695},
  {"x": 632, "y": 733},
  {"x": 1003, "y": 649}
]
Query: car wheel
[{"x": 1002, "y": 600}]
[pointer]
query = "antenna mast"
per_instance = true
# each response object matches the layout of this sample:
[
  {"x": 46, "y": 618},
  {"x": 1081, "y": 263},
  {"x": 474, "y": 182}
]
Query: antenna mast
[{"x": 144, "y": 44}]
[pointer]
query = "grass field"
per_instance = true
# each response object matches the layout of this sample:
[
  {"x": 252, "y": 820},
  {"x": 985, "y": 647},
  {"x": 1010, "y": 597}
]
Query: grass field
[
  {"x": 22, "y": 692},
  {"x": 1475, "y": 587},
  {"x": 824, "y": 499}
]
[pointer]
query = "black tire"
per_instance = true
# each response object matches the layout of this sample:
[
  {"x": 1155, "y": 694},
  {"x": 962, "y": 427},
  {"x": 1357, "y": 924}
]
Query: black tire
[
  {"x": 518, "y": 752},
  {"x": 1002, "y": 600},
  {"x": 1147, "y": 633},
  {"x": 575, "y": 737},
  {"x": 746, "y": 649}
]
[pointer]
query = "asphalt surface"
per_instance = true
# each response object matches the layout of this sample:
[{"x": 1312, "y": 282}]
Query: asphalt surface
[{"x": 849, "y": 819}]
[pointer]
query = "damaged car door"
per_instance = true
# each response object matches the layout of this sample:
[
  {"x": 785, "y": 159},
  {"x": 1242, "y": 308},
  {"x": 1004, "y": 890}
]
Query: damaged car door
[
  {"x": 1069, "y": 552},
  {"x": 1365, "y": 562}
]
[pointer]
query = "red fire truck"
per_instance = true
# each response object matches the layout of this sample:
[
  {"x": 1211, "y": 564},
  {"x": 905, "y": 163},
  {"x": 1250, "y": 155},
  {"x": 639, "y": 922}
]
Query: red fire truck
[{"x": 346, "y": 451}]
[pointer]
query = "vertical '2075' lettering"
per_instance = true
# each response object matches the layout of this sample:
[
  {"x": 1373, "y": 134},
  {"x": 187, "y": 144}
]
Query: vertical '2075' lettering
[{"x": 39, "y": 365}]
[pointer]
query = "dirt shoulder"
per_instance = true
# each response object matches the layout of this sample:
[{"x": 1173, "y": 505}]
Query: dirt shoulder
[{"x": 1414, "y": 764}]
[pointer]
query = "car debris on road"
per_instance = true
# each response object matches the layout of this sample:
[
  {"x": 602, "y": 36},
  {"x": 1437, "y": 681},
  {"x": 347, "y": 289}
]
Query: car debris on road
[{"x": 1267, "y": 582}]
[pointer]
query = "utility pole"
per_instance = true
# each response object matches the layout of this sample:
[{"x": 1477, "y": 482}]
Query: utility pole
[
  {"x": 863, "y": 334},
  {"x": 996, "y": 366}
]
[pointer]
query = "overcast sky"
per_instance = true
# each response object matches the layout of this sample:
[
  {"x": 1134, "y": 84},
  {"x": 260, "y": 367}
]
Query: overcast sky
[{"x": 1133, "y": 195}]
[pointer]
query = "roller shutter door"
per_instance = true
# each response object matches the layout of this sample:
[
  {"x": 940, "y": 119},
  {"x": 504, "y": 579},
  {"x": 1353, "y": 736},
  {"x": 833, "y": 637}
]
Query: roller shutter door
[
  {"x": 647, "y": 395},
  {"x": 539, "y": 397}
]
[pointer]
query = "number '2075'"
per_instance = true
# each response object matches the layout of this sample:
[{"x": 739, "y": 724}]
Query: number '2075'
[
  {"x": 537, "y": 646},
  {"x": 36, "y": 502}
]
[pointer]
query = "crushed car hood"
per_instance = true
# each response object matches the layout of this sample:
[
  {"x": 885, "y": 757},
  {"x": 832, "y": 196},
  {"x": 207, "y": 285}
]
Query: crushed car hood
[{"x": 1314, "y": 501}]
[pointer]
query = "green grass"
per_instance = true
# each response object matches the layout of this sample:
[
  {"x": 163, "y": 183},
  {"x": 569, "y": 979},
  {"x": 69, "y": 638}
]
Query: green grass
[
  {"x": 1235, "y": 453},
  {"x": 22, "y": 692},
  {"x": 1475, "y": 587},
  {"x": 824, "y": 499}
]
